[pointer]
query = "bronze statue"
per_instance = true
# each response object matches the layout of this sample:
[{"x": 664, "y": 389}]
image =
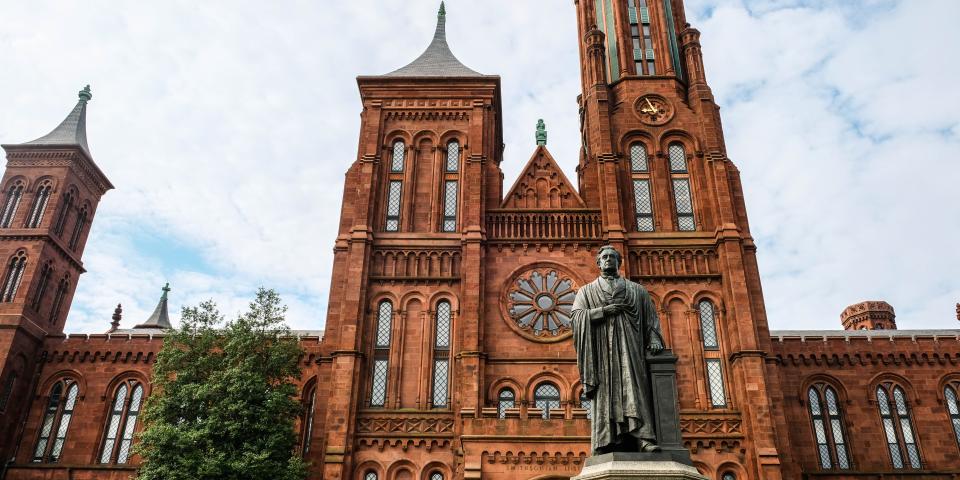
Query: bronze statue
[{"x": 615, "y": 324}]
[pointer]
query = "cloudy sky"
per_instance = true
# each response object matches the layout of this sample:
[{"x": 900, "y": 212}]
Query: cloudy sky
[{"x": 227, "y": 127}]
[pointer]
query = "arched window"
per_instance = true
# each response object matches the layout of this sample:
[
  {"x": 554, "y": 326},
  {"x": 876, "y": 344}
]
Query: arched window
[
  {"x": 547, "y": 397},
  {"x": 828, "y": 427},
  {"x": 728, "y": 476},
  {"x": 56, "y": 421},
  {"x": 309, "y": 402},
  {"x": 62, "y": 288},
  {"x": 370, "y": 475},
  {"x": 718, "y": 396},
  {"x": 951, "y": 395},
  {"x": 65, "y": 206},
  {"x": 585, "y": 403},
  {"x": 39, "y": 204},
  {"x": 898, "y": 426},
  {"x": 708, "y": 325},
  {"x": 10, "y": 204},
  {"x": 399, "y": 154},
  {"x": 122, "y": 422},
  {"x": 78, "y": 227},
  {"x": 642, "y": 201},
  {"x": 453, "y": 156},
  {"x": 441, "y": 354},
  {"x": 505, "y": 399},
  {"x": 436, "y": 476},
  {"x": 46, "y": 271},
  {"x": 11, "y": 282},
  {"x": 381, "y": 354},
  {"x": 682, "y": 197}
]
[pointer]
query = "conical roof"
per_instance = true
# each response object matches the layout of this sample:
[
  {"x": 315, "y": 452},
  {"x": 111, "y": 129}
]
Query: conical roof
[
  {"x": 437, "y": 60},
  {"x": 160, "y": 318},
  {"x": 72, "y": 131}
]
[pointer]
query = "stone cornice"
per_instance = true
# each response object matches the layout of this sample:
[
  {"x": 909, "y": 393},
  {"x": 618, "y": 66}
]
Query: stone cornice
[{"x": 72, "y": 157}]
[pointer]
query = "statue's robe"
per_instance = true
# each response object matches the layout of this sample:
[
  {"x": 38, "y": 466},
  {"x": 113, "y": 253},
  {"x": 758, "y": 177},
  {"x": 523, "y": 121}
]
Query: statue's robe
[{"x": 611, "y": 358}]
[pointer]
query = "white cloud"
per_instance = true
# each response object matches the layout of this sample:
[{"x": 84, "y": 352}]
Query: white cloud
[{"x": 227, "y": 127}]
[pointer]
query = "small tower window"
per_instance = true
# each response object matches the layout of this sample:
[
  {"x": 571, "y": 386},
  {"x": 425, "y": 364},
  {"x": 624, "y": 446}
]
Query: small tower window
[
  {"x": 441, "y": 354},
  {"x": 640, "y": 36},
  {"x": 56, "y": 421},
  {"x": 78, "y": 228},
  {"x": 718, "y": 398},
  {"x": 381, "y": 354},
  {"x": 546, "y": 397},
  {"x": 682, "y": 197},
  {"x": 898, "y": 426},
  {"x": 10, "y": 204},
  {"x": 39, "y": 204},
  {"x": 450, "y": 206},
  {"x": 453, "y": 156},
  {"x": 309, "y": 403},
  {"x": 122, "y": 423},
  {"x": 58, "y": 298},
  {"x": 399, "y": 153},
  {"x": 370, "y": 475},
  {"x": 642, "y": 201},
  {"x": 393, "y": 205},
  {"x": 65, "y": 206},
  {"x": 708, "y": 325},
  {"x": 505, "y": 399},
  {"x": 45, "y": 273},
  {"x": 11, "y": 283}
]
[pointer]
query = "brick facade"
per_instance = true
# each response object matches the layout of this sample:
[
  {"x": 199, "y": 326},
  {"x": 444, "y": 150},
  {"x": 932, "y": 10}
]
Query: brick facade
[{"x": 449, "y": 291}]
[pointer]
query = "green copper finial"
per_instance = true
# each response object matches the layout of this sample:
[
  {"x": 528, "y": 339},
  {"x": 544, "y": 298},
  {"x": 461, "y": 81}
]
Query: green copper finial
[
  {"x": 541, "y": 133},
  {"x": 85, "y": 94},
  {"x": 166, "y": 289},
  {"x": 443, "y": 10}
]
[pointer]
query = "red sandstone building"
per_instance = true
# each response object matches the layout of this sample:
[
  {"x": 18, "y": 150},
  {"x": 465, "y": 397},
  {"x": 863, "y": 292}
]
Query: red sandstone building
[{"x": 447, "y": 351}]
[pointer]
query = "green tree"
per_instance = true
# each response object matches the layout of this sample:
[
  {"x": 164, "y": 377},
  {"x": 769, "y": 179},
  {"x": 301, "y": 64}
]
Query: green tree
[{"x": 224, "y": 402}]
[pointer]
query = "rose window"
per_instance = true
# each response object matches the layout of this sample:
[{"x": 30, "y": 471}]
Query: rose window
[{"x": 540, "y": 301}]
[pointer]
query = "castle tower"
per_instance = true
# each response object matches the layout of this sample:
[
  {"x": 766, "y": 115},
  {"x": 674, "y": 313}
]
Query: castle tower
[
  {"x": 405, "y": 301},
  {"x": 654, "y": 163},
  {"x": 869, "y": 315},
  {"x": 50, "y": 192}
]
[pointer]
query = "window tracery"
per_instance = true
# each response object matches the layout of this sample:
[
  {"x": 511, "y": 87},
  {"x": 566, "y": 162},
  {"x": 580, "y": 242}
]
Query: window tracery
[
  {"x": 10, "y": 204},
  {"x": 56, "y": 421},
  {"x": 951, "y": 396},
  {"x": 540, "y": 302},
  {"x": 828, "y": 428},
  {"x": 11, "y": 283},
  {"x": 898, "y": 426},
  {"x": 505, "y": 399},
  {"x": 39, "y": 204},
  {"x": 682, "y": 197},
  {"x": 546, "y": 397},
  {"x": 441, "y": 354},
  {"x": 122, "y": 422},
  {"x": 381, "y": 354}
]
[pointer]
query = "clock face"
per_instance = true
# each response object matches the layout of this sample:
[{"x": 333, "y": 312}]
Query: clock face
[{"x": 653, "y": 109}]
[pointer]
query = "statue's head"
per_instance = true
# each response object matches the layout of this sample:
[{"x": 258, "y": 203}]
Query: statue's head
[{"x": 609, "y": 259}]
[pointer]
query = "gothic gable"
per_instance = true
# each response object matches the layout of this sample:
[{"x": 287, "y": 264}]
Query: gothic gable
[{"x": 542, "y": 185}]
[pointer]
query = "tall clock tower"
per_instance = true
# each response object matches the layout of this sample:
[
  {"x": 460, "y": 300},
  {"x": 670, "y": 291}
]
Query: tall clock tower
[{"x": 654, "y": 162}]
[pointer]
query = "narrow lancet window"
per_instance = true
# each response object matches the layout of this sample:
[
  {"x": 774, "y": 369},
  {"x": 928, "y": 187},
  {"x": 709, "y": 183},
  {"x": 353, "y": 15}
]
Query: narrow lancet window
[
  {"x": 78, "y": 228},
  {"x": 682, "y": 197},
  {"x": 546, "y": 397},
  {"x": 708, "y": 325},
  {"x": 58, "y": 298},
  {"x": 393, "y": 205},
  {"x": 65, "y": 206},
  {"x": 453, "y": 156},
  {"x": 951, "y": 396},
  {"x": 122, "y": 422},
  {"x": 11, "y": 283},
  {"x": 898, "y": 426},
  {"x": 309, "y": 403},
  {"x": 441, "y": 354},
  {"x": 10, "y": 204},
  {"x": 39, "y": 204},
  {"x": 399, "y": 153},
  {"x": 56, "y": 421},
  {"x": 506, "y": 399},
  {"x": 642, "y": 201},
  {"x": 828, "y": 427},
  {"x": 45, "y": 273},
  {"x": 381, "y": 354},
  {"x": 450, "y": 206},
  {"x": 718, "y": 398},
  {"x": 639, "y": 17}
]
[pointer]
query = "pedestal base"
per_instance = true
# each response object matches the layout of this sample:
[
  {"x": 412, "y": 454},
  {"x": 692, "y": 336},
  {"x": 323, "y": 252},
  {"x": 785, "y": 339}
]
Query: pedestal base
[{"x": 659, "y": 466}]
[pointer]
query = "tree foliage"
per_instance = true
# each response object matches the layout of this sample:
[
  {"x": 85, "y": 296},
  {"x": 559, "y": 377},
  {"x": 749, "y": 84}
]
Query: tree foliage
[{"x": 224, "y": 402}]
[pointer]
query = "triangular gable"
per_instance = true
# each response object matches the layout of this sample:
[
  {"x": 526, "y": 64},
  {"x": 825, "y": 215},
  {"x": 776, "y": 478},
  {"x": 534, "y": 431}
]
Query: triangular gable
[{"x": 542, "y": 185}]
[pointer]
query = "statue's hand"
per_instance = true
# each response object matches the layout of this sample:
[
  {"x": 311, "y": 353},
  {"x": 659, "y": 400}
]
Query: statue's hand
[
  {"x": 612, "y": 309},
  {"x": 655, "y": 347}
]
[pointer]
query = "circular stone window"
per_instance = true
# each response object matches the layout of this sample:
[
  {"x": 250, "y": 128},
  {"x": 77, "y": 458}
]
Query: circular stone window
[{"x": 538, "y": 303}]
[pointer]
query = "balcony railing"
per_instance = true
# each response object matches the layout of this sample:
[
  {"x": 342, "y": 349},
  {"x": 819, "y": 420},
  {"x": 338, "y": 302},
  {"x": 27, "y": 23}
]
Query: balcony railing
[{"x": 568, "y": 225}]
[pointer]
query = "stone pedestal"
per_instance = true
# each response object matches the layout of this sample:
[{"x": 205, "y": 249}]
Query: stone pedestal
[{"x": 659, "y": 466}]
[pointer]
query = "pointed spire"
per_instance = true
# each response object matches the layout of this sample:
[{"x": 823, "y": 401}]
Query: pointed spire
[
  {"x": 437, "y": 60},
  {"x": 541, "y": 133},
  {"x": 160, "y": 318},
  {"x": 72, "y": 131}
]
